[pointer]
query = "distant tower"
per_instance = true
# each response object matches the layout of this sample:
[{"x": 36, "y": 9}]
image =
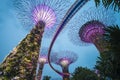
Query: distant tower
[
  {"x": 64, "y": 59},
  {"x": 43, "y": 14},
  {"x": 89, "y": 27}
]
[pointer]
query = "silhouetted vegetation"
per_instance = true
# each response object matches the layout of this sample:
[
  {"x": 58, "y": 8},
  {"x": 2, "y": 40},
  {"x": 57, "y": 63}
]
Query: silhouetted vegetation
[
  {"x": 107, "y": 3},
  {"x": 46, "y": 77},
  {"x": 108, "y": 63},
  {"x": 81, "y": 73}
]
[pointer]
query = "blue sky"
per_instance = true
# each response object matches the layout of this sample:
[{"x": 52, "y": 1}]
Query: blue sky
[{"x": 12, "y": 32}]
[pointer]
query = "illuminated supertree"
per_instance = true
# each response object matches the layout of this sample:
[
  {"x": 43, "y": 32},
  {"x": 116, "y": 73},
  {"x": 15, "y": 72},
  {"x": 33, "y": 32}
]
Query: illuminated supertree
[
  {"x": 41, "y": 62},
  {"x": 90, "y": 27},
  {"x": 43, "y": 14},
  {"x": 92, "y": 32},
  {"x": 49, "y": 12},
  {"x": 64, "y": 59}
]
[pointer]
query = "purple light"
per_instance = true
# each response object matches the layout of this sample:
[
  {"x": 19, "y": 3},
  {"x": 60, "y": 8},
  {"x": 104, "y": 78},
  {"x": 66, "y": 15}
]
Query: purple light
[
  {"x": 64, "y": 59},
  {"x": 43, "y": 59},
  {"x": 45, "y": 14},
  {"x": 90, "y": 30}
]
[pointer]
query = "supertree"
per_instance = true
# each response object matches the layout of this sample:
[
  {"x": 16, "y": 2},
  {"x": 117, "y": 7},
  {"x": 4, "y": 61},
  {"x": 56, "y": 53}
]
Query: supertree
[
  {"x": 78, "y": 4},
  {"x": 56, "y": 78},
  {"x": 64, "y": 59},
  {"x": 50, "y": 12},
  {"x": 90, "y": 27},
  {"x": 92, "y": 32},
  {"x": 41, "y": 62},
  {"x": 22, "y": 61}
]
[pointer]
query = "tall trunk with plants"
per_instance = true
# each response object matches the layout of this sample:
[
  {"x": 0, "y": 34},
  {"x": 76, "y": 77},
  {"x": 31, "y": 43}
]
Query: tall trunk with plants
[{"x": 21, "y": 63}]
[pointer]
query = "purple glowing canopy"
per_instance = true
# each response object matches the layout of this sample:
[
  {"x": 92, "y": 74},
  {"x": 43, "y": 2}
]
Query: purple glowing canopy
[
  {"x": 64, "y": 58},
  {"x": 51, "y": 12},
  {"x": 89, "y": 14},
  {"x": 44, "y": 13},
  {"x": 91, "y": 29}
]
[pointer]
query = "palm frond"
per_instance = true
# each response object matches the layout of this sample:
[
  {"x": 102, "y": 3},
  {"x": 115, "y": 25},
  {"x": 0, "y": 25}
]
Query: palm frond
[{"x": 107, "y": 3}]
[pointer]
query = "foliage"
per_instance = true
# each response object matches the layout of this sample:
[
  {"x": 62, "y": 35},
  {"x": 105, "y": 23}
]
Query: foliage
[
  {"x": 107, "y": 3},
  {"x": 108, "y": 62},
  {"x": 81, "y": 73},
  {"x": 46, "y": 78}
]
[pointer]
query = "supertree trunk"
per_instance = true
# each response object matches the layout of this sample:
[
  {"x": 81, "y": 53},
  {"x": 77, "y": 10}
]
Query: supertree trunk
[
  {"x": 65, "y": 70},
  {"x": 39, "y": 75},
  {"x": 100, "y": 43},
  {"x": 21, "y": 63}
]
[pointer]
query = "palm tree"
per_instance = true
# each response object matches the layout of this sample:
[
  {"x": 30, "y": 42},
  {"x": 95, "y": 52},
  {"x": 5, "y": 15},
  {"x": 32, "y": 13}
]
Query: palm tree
[
  {"x": 107, "y": 3},
  {"x": 113, "y": 37},
  {"x": 108, "y": 63}
]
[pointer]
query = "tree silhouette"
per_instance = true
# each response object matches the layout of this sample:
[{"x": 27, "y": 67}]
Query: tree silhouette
[
  {"x": 108, "y": 62},
  {"x": 107, "y": 3},
  {"x": 81, "y": 73}
]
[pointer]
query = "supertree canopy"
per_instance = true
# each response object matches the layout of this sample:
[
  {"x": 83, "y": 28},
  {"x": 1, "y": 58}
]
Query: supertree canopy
[
  {"x": 50, "y": 12},
  {"x": 92, "y": 32},
  {"x": 43, "y": 59},
  {"x": 94, "y": 20},
  {"x": 45, "y": 14},
  {"x": 64, "y": 59}
]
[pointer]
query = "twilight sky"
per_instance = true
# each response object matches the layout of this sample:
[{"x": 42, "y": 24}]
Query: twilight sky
[{"x": 12, "y": 32}]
